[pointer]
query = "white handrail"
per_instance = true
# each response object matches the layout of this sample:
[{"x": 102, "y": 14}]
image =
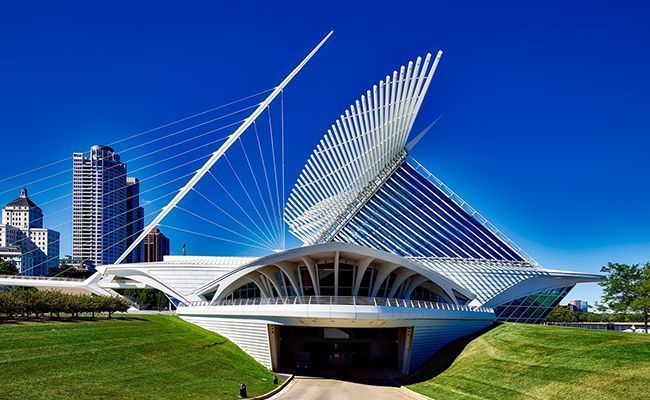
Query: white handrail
[{"x": 339, "y": 300}]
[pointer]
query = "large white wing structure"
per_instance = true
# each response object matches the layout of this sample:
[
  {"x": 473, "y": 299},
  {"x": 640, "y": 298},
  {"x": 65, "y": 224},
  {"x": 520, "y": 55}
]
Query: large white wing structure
[{"x": 358, "y": 151}]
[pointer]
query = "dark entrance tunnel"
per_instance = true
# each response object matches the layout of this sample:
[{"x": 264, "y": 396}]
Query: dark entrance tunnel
[{"x": 323, "y": 351}]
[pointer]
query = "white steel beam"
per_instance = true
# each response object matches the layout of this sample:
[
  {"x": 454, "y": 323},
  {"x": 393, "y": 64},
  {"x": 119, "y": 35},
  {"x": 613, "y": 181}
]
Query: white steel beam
[
  {"x": 220, "y": 152},
  {"x": 313, "y": 273}
]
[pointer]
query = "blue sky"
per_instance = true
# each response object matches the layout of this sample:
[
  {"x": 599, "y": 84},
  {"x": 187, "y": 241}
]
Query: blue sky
[{"x": 545, "y": 126}]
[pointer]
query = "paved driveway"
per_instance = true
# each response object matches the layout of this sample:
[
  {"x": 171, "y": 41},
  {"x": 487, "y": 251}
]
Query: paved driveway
[{"x": 307, "y": 388}]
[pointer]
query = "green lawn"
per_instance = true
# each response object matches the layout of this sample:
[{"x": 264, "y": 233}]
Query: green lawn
[
  {"x": 517, "y": 361},
  {"x": 143, "y": 356}
]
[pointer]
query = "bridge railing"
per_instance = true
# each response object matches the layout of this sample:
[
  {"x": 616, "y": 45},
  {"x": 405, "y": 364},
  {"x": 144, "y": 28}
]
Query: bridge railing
[
  {"x": 41, "y": 278},
  {"x": 339, "y": 300}
]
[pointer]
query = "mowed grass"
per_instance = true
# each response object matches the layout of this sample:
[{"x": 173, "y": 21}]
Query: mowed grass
[
  {"x": 517, "y": 361},
  {"x": 143, "y": 357}
]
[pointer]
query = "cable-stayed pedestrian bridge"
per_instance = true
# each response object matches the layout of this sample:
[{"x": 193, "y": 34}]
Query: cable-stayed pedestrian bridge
[{"x": 393, "y": 264}]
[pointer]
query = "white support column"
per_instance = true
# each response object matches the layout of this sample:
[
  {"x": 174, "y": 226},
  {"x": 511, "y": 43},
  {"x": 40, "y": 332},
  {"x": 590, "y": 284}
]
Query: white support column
[
  {"x": 313, "y": 273},
  {"x": 267, "y": 284},
  {"x": 399, "y": 279},
  {"x": 256, "y": 280},
  {"x": 361, "y": 270},
  {"x": 220, "y": 152},
  {"x": 382, "y": 273},
  {"x": 289, "y": 270},
  {"x": 268, "y": 272},
  {"x": 415, "y": 282},
  {"x": 336, "y": 274}
]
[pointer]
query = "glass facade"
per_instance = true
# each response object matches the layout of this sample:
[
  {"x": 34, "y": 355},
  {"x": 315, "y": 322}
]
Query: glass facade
[
  {"x": 410, "y": 216},
  {"x": 533, "y": 308}
]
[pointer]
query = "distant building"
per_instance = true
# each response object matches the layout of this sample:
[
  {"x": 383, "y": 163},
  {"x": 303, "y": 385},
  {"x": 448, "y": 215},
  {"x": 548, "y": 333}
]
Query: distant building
[
  {"x": 22, "y": 260},
  {"x": 134, "y": 219},
  {"x": 68, "y": 260},
  {"x": 24, "y": 241},
  {"x": 578, "y": 305},
  {"x": 101, "y": 206},
  {"x": 156, "y": 245}
]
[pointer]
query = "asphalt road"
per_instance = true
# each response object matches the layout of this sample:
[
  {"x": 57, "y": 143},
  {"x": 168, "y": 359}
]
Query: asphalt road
[{"x": 307, "y": 388}]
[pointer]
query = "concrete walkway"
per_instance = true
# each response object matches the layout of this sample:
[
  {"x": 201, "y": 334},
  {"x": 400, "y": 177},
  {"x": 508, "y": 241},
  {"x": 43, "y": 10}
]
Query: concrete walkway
[{"x": 308, "y": 388}]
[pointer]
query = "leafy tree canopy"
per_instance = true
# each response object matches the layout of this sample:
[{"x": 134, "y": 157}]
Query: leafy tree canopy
[
  {"x": 561, "y": 314},
  {"x": 8, "y": 268},
  {"x": 626, "y": 288}
]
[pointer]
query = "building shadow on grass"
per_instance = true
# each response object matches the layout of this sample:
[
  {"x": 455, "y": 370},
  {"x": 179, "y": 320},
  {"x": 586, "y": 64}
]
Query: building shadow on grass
[
  {"x": 65, "y": 320},
  {"x": 130, "y": 318},
  {"x": 207, "y": 346},
  {"x": 444, "y": 358}
]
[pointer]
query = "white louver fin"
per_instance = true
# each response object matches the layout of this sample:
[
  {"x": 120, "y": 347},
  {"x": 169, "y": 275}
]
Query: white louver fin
[{"x": 356, "y": 149}]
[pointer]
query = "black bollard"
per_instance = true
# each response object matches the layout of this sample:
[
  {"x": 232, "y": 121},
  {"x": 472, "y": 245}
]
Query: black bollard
[
  {"x": 275, "y": 379},
  {"x": 242, "y": 391}
]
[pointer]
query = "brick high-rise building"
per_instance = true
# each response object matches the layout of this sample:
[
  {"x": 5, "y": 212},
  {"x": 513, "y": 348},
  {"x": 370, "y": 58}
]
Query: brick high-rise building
[{"x": 156, "y": 245}]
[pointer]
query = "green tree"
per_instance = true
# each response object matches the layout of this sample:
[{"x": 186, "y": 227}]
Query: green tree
[
  {"x": 561, "y": 314},
  {"x": 626, "y": 289},
  {"x": 9, "y": 305},
  {"x": 161, "y": 300},
  {"x": 641, "y": 303},
  {"x": 8, "y": 268},
  {"x": 116, "y": 304}
]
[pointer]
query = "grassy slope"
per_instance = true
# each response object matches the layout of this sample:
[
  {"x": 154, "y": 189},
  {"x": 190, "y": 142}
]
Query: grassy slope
[
  {"x": 140, "y": 357},
  {"x": 516, "y": 361}
]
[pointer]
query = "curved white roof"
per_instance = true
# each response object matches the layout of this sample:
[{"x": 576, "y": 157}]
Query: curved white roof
[
  {"x": 345, "y": 251},
  {"x": 493, "y": 280},
  {"x": 367, "y": 139}
]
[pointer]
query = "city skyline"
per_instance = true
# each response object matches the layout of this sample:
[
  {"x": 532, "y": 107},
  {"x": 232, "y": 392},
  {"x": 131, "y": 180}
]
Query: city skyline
[{"x": 546, "y": 206}]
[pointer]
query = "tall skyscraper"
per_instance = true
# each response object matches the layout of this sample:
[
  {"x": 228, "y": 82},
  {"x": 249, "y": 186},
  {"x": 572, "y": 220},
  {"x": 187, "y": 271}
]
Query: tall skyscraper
[
  {"x": 134, "y": 219},
  {"x": 156, "y": 245},
  {"x": 24, "y": 241},
  {"x": 100, "y": 206}
]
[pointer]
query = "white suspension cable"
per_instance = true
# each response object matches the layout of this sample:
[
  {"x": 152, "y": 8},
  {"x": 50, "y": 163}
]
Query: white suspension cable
[
  {"x": 275, "y": 169},
  {"x": 224, "y": 228},
  {"x": 230, "y": 216},
  {"x": 115, "y": 216},
  {"x": 90, "y": 241},
  {"x": 280, "y": 219},
  {"x": 224, "y": 147},
  {"x": 257, "y": 186},
  {"x": 208, "y": 236},
  {"x": 126, "y": 238},
  {"x": 144, "y": 167},
  {"x": 144, "y": 132},
  {"x": 122, "y": 152},
  {"x": 266, "y": 175},
  {"x": 240, "y": 207},
  {"x": 250, "y": 199}
]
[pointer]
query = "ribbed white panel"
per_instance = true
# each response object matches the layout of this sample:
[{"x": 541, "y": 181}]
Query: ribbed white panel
[
  {"x": 428, "y": 339},
  {"x": 356, "y": 149},
  {"x": 207, "y": 260},
  {"x": 185, "y": 274},
  {"x": 186, "y": 280},
  {"x": 250, "y": 335},
  {"x": 485, "y": 278}
]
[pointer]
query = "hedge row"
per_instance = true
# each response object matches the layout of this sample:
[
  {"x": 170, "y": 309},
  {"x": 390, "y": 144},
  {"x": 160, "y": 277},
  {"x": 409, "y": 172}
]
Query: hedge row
[{"x": 28, "y": 303}]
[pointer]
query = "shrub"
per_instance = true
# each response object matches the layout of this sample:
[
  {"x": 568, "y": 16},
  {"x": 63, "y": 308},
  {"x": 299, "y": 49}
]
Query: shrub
[{"x": 32, "y": 302}]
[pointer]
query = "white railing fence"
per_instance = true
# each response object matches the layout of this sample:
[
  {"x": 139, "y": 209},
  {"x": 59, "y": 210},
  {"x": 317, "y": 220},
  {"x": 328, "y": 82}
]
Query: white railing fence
[
  {"x": 338, "y": 300},
  {"x": 41, "y": 278}
]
